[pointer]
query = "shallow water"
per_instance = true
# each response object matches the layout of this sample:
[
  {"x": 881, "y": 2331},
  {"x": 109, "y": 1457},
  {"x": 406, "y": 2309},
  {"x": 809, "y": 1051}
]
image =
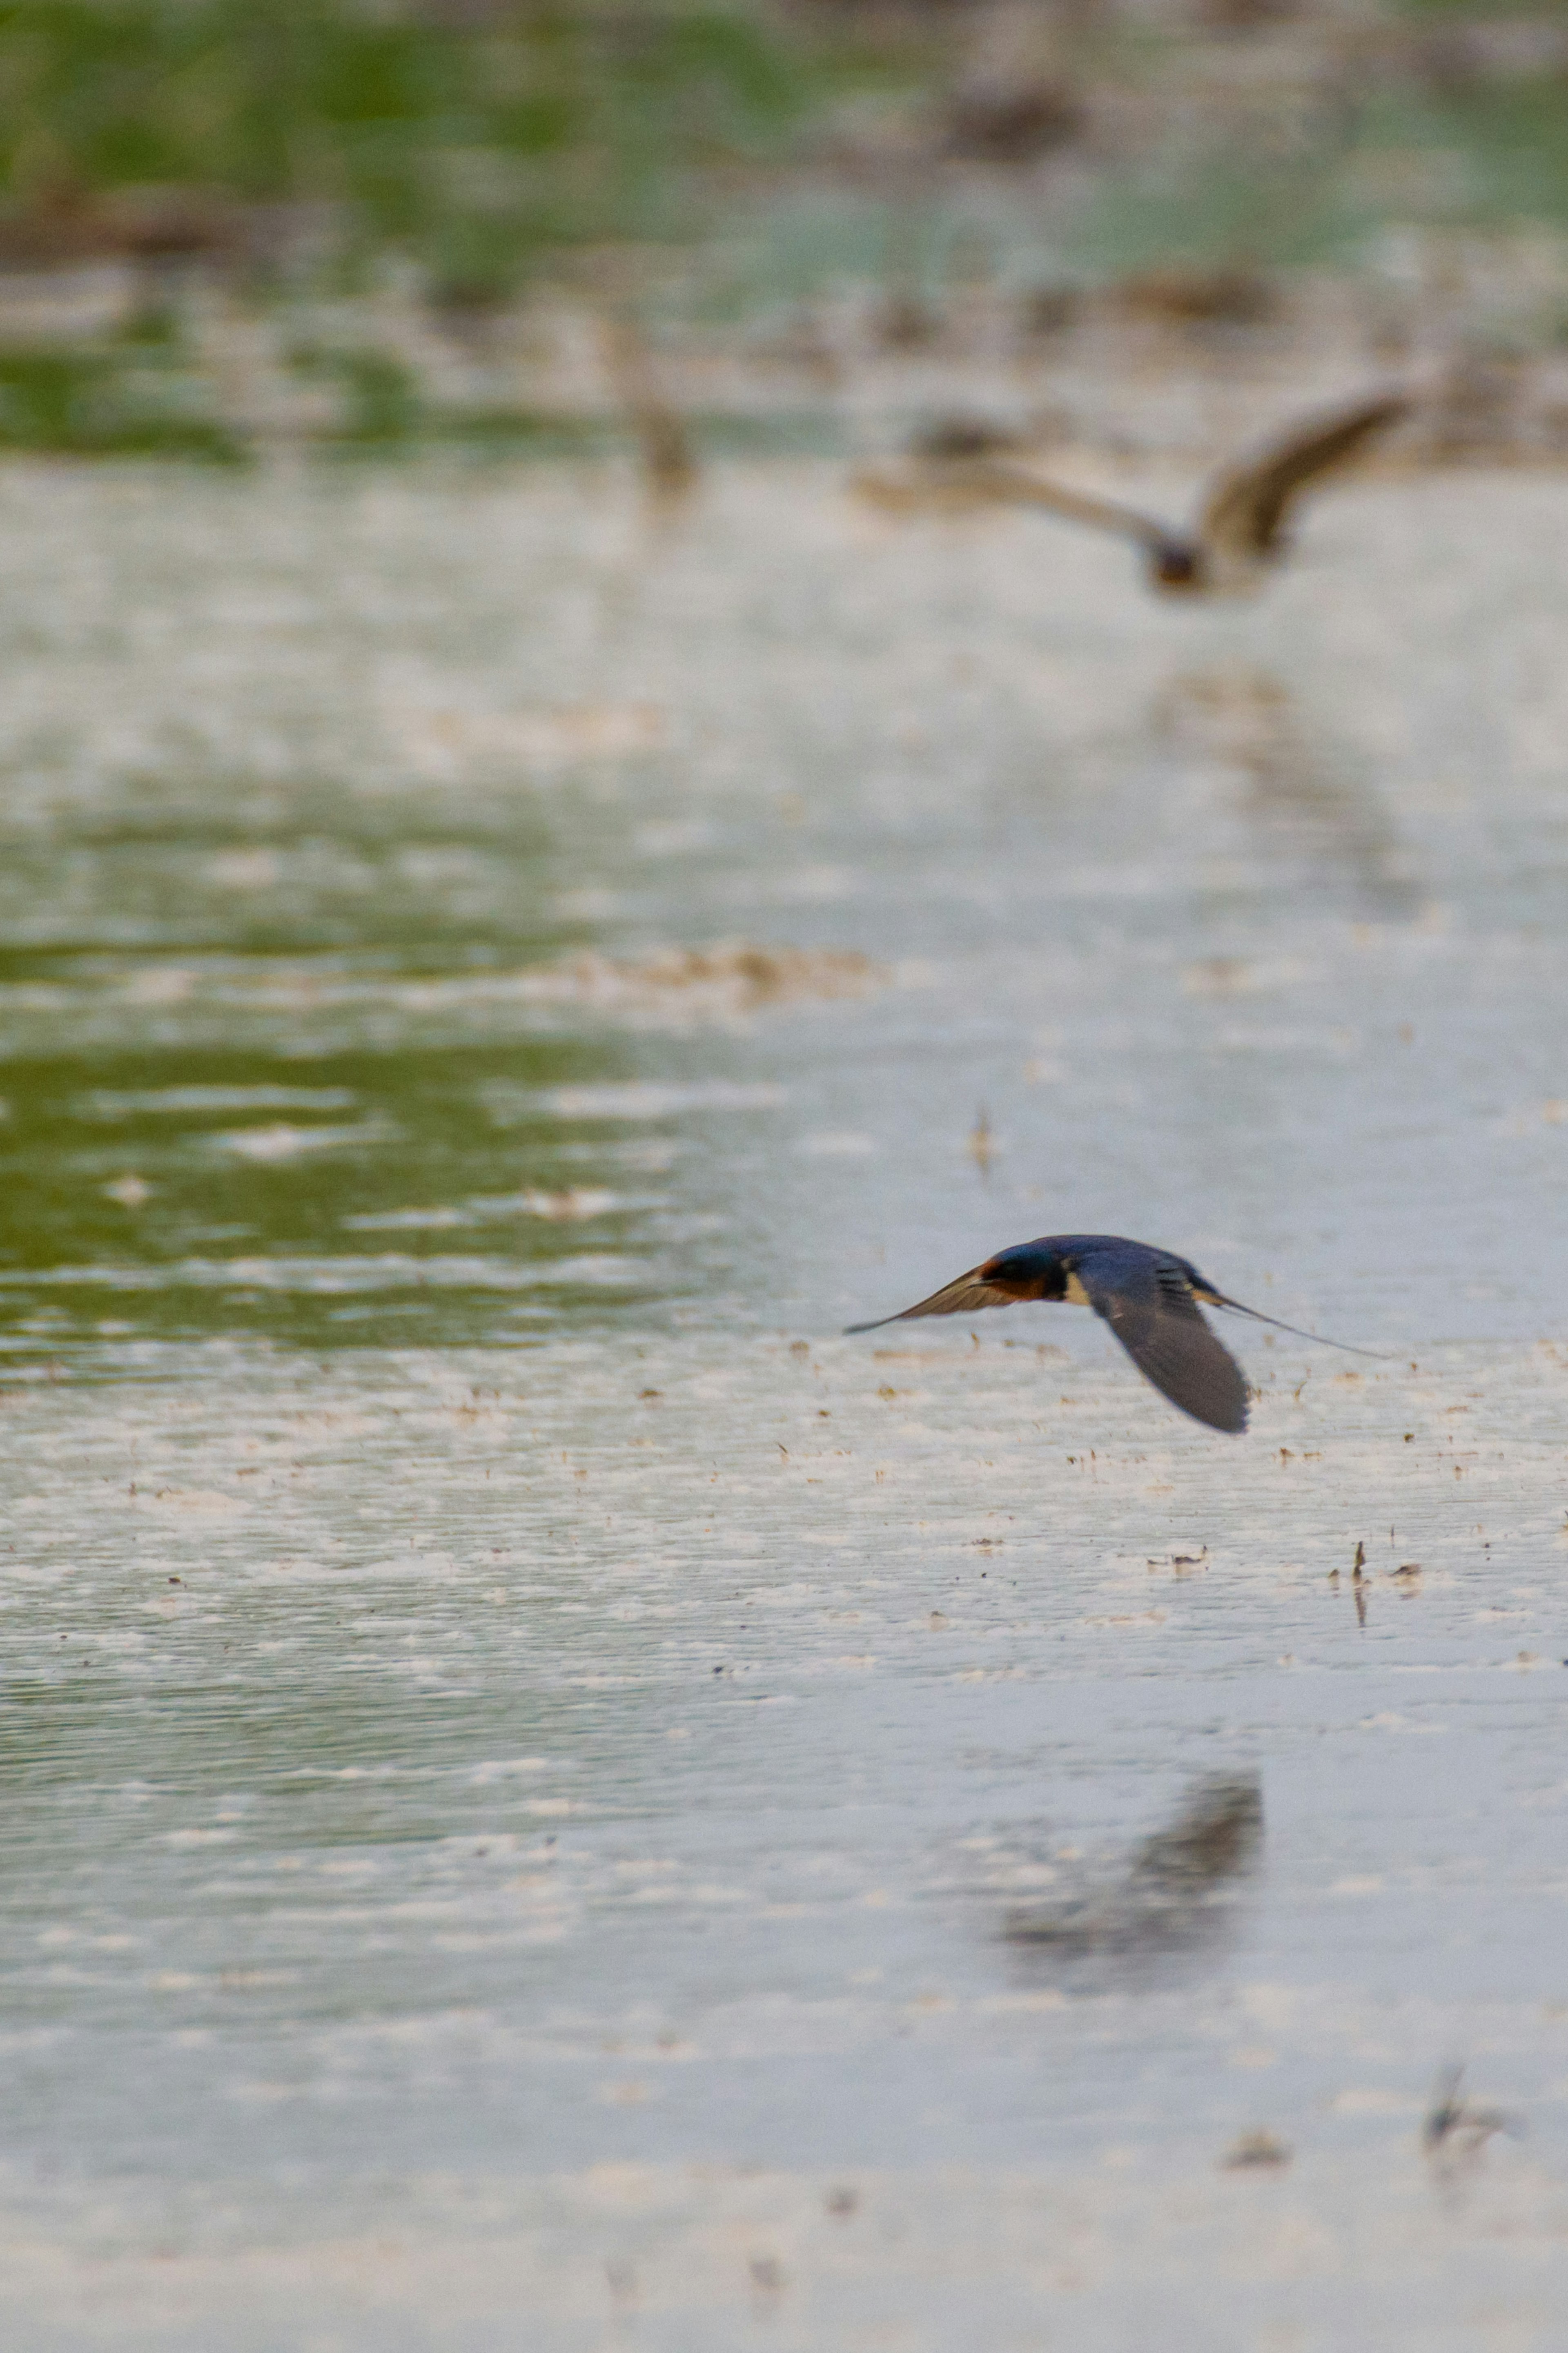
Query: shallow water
[{"x": 526, "y": 1747}]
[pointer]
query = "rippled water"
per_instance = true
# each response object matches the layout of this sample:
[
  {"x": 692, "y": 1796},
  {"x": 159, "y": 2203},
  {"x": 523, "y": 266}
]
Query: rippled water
[{"x": 542, "y": 1778}]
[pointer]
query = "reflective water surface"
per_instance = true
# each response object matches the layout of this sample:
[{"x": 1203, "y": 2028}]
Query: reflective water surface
[{"x": 543, "y": 1779}]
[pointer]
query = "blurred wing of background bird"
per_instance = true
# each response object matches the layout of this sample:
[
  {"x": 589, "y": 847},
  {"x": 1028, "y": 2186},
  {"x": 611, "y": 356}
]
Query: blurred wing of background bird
[
  {"x": 1243, "y": 513},
  {"x": 1005, "y": 485},
  {"x": 1151, "y": 1308},
  {"x": 962, "y": 1297},
  {"x": 919, "y": 488}
]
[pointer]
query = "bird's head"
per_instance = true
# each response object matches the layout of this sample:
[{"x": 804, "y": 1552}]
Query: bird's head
[
  {"x": 1027, "y": 1270},
  {"x": 1175, "y": 564}
]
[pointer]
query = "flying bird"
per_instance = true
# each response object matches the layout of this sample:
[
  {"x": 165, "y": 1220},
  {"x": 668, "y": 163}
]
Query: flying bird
[
  {"x": 1148, "y": 1297},
  {"x": 1240, "y": 527}
]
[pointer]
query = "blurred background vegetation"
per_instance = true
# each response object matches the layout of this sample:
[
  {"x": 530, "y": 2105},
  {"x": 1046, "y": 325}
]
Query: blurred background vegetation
[
  {"x": 724, "y": 162},
  {"x": 478, "y": 140}
]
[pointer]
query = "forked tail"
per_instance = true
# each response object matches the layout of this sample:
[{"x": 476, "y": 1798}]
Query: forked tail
[{"x": 1218, "y": 1299}]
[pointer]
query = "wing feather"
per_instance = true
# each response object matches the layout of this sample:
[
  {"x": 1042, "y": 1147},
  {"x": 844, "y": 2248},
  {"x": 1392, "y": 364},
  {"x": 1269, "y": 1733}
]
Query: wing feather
[
  {"x": 1149, "y": 1304},
  {"x": 919, "y": 489},
  {"x": 964, "y": 1296},
  {"x": 1017, "y": 486},
  {"x": 1244, "y": 511}
]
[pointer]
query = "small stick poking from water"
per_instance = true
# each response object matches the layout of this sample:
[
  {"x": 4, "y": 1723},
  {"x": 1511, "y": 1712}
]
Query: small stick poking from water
[
  {"x": 983, "y": 1142},
  {"x": 664, "y": 441}
]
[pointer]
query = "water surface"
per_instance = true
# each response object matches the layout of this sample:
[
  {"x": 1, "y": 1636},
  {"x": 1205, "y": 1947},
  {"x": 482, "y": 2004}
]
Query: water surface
[{"x": 529, "y": 1752}]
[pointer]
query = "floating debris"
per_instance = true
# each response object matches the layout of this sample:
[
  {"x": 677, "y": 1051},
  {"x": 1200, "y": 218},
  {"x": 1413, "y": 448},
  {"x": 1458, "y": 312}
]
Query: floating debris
[
  {"x": 568, "y": 1207},
  {"x": 962, "y": 435},
  {"x": 1198, "y": 298},
  {"x": 730, "y": 976},
  {"x": 1255, "y": 2152},
  {"x": 132, "y": 1192},
  {"x": 1014, "y": 96}
]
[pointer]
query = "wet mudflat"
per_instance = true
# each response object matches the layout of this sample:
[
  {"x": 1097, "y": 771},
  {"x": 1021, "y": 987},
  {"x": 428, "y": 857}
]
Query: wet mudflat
[{"x": 541, "y": 1778}]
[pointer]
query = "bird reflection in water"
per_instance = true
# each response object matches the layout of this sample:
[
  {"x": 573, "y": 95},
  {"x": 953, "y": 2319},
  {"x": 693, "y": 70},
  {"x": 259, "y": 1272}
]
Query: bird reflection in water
[
  {"x": 1176, "y": 1901},
  {"x": 1297, "y": 801},
  {"x": 1456, "y": 2130}
]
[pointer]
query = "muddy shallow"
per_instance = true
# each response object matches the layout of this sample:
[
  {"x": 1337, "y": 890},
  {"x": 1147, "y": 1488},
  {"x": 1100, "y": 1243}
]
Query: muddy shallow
[{"x": 529, "y": 1754}]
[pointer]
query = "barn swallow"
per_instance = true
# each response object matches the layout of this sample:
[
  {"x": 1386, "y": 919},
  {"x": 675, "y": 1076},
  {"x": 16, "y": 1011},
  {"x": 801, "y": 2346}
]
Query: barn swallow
[
  {"x": 1240, "y": 526},
  {"x": 1148, "y": 1297}
]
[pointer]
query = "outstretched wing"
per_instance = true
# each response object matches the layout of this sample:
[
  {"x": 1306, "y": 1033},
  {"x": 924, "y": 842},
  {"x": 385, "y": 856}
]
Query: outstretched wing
[
  {"x": 918, "y": 489},
  {"x": 1244, "y": 511},
  {"x": 946, "y": 484},
  {"x": 1149, "y": 1304},
  {"x": 1002, "y": 484},
  {"x": 960, "y": 1298}
]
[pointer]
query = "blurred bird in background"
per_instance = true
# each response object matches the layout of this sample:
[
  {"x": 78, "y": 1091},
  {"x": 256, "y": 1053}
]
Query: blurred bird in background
[{"x": 1241, "y": 525}]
